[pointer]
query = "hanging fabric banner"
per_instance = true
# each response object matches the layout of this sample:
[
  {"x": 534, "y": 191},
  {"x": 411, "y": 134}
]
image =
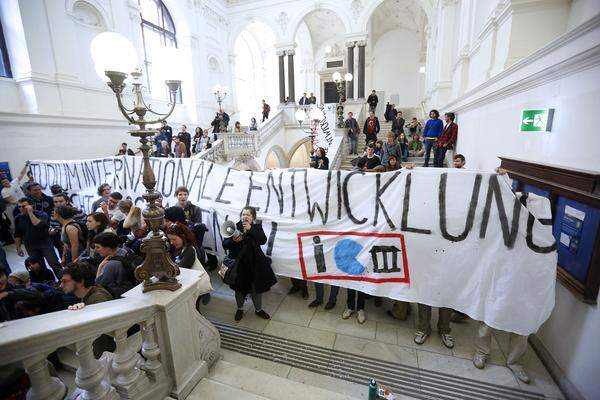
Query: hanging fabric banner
[{"x": 452, "y": 238}]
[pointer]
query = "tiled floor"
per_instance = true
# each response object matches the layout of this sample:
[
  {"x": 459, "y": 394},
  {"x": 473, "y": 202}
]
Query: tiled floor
[{"x": 379, "y": 337}]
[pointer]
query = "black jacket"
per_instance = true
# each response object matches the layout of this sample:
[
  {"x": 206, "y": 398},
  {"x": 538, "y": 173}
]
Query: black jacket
[
  {"x": 373, "y": 100},
  {"x": 398, "y": 125},
  {"x": 366, "y": 130},
  {"x": 254, "y": 268}
]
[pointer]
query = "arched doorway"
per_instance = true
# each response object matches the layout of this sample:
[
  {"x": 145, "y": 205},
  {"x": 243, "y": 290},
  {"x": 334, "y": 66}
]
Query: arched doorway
[{"x": 300, "y": 154}]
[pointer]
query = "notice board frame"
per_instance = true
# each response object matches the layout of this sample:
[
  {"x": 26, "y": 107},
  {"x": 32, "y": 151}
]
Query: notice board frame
[{"x": 579, "y": 185}]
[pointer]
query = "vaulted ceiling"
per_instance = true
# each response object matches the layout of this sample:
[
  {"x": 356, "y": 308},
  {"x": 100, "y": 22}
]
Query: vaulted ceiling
[
  {"x": 397, "y": 14},
  {"x": 323, "y": 25}
]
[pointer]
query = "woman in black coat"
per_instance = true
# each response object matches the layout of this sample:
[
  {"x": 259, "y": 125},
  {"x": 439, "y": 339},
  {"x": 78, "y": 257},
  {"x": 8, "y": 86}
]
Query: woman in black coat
[{"x": 254, "y": 273}]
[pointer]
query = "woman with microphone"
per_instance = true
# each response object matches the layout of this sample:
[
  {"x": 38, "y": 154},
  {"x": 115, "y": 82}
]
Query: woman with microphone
[{"x": 254, "y": 274}]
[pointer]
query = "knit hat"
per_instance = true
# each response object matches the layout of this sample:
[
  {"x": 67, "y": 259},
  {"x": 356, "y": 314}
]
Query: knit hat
[{"x": 22, "y": 276}]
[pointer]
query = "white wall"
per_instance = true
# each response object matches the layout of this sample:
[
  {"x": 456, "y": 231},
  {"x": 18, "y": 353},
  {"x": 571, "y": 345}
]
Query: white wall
[
  {"x": 395, "y": 67},
  {"x": 564, "y": 75},
  {"x": 56, "y": 107}
]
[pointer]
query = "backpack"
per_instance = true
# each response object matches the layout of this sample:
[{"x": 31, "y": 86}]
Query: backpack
[
  {"x": 83, "y": 230},
  {"x": 267, "y": 108},
  {"x": 130, "y": 262}
]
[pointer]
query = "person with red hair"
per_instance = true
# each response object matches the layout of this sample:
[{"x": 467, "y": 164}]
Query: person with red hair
[{"x": 183, "y": 241}]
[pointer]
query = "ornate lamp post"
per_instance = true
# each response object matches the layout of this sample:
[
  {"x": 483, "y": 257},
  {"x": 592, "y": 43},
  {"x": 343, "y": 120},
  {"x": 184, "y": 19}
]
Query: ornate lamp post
[
  {"x": 220, "y": 93},
  {"x": 339, "y": 84},
  {"x": 315, "y": 115},
  {"x": 114, "y": 54}
]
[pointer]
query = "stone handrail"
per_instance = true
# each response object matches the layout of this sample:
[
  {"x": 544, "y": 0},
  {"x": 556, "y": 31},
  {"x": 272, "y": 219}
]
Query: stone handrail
[
  {"x": 273, "y": 125},
  {"x": 213, "y": 154},
  {"x": 178, "y": 345},
  {"x": 339, "y": 148}
]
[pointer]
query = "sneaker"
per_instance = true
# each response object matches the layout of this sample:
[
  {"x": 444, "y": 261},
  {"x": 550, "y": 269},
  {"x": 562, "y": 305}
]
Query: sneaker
[
  {"x": 361, "y": 317},
  {"x": 479, "y": 360},
  {"x": 315, "y": 303},
  {"x": 329, "y": 305},
  {"x": 263, "y": 314},
  {"x": 305, "y": 293},
  {"x": 346, "y": 314},
  {"x": 421, "y": 337},
  {"x": 447, "y": 339},
  {"x": 238, "y": 315},
  {"x": 520, "y": 374}
]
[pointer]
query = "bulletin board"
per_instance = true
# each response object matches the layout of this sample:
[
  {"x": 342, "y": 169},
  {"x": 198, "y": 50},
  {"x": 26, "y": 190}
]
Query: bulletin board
[{"x": 575, "y": 199}]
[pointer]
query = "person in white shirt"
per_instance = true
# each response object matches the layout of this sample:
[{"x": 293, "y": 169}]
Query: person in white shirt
[
  {"x": 110, "y": 209},
  {"x": 12, "y": 192}
]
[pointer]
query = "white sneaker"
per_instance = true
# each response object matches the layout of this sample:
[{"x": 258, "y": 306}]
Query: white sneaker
[
  {"x": 347, "y": 313},
  {"x": 479, "y": 360},
  {"x": 520, "y": 373},
  {"x": 361, "y": 317},
  {"x": 447, "y": 339},
  {"x": 421, "y": 337}
]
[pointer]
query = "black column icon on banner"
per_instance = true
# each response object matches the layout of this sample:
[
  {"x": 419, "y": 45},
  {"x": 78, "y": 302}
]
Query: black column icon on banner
[
  {"x": 319, "y": 255},
  {"x": 384, "y": 251}
]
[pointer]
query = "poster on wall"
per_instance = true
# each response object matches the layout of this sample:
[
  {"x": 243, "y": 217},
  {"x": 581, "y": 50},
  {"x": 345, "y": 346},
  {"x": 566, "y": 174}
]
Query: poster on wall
[{"x": 452, "y": 238}]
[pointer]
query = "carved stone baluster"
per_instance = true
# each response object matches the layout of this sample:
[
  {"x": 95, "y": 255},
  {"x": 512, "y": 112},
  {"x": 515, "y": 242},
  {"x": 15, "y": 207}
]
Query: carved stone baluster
[
  {"x": 130, "y": 380},
  {"x": 151, "y": 352},
  {"x": 43, "y": 386},
  {"x": 91, "y": 376}
]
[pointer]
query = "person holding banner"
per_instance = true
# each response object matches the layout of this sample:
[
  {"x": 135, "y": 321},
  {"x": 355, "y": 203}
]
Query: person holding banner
[
  {"x": 254, "y": 273},
  {"x": 424, "y": 326}
]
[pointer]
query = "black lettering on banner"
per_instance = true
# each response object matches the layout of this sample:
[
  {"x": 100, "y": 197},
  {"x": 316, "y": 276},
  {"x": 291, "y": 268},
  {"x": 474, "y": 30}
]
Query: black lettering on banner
[
  {"x": 107, "y": 173},
  {"x": 129, "y": 173},
  {"x": 184, "y": 180},
  {"x": 223, "y": 186},
  {"x": 90, "y": 176},
  {"x": 509, "y": 236},
  {"x": 529, "y": 238},
  {"x": 339, "y": 194},
  {"x": 251, "y": 187},
  {"x": 347, "y": 199},
  {"x": 119, "y": 181},
  {"x": 216, "y": 229},
  {"x": 72, "y": 173},
  {"x": 278, "y": 193},
  {"x": 196, "y": 177},
  {"x": 271, "y": 240},
  {"x": 406, "y": 208},
  {"x": 316, "y": 206},
  {"x": 470, "y": 214},
  {"x": 202, "y": 196},
  {"x": 292, "y": 185},
  {"x": 51, "y": 178},
  {"x": 202, "y": 212},
  {"x": 378, "y": 203},
  {"x": 36, "y": 172},
  {"x": 169, "y": 178},
  {"x": 97, "y": 165}
]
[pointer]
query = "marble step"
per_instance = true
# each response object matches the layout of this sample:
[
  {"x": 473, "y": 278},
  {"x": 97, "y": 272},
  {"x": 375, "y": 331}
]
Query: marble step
[{"x": 227, "y": 380}]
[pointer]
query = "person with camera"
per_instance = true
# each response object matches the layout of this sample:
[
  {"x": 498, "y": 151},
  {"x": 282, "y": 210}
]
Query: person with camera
[
  {"x": 353, "y": 130},
  {"x": 319, "y": 159},
  {"x": 253, "y": 275}
]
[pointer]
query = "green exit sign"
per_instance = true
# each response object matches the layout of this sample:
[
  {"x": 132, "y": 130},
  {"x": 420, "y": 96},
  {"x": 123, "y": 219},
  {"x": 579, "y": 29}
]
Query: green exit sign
[{"x": 536, "y": 120}]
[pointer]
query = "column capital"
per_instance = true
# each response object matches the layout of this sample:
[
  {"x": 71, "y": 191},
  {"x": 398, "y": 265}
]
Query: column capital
[
  {"x": 280, "y": 52},
  {"x": 361, "y": 43},
  {"x": 350, "y": 43},
  {"x": 285, "y": 46},
  {"x": 290, "y": 52}
]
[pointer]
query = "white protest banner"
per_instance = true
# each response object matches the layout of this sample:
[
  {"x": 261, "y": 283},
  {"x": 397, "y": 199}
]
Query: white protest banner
[
  {"x": 326, "y": 128},
  {"x": 453, "y": 238}
]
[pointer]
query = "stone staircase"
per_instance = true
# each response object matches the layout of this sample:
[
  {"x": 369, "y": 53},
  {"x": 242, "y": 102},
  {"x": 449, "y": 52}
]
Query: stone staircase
[{"x": 385, "y": 128}]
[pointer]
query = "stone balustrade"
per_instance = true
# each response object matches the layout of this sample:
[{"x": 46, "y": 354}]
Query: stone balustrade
[{"x": 177, "y": 348}]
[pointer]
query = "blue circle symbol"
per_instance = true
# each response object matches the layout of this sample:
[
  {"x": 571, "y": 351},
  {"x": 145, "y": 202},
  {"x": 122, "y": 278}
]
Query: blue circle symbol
[{"x": 345, "y": 253}]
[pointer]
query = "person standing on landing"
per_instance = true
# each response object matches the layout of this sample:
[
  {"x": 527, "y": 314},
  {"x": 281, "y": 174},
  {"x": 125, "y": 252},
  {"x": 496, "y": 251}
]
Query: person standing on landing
[
  {"x": 254, "y": 273},
  {"x": 432, "y": 133}
]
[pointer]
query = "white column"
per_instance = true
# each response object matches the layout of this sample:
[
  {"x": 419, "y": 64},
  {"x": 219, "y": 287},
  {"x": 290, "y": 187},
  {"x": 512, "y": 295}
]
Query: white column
[
  {"x": 43, "y": 386},
  {"x": 129, "y": 379},
  {"x": 91, "y": 376},
  {"x": 445, "y": 40}
]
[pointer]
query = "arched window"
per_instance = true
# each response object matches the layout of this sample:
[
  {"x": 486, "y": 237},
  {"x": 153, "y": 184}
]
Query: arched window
[
  {"x": 158, "y": 30},
  {"x": 4, "y": 62}
]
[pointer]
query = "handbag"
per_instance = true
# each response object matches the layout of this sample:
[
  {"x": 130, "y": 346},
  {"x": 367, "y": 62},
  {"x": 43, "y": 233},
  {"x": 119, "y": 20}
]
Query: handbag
[{"x": 230, "y": 276}]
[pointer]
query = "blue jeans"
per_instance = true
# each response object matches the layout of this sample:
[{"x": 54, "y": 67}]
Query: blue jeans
[
  {"x": 353, "y": 145},
  {"x": 428, "y": 146},
  {"x": 320, "y": 292},
  {"x": 404, "y": 153},
  {"x": 440, "y": 155}
]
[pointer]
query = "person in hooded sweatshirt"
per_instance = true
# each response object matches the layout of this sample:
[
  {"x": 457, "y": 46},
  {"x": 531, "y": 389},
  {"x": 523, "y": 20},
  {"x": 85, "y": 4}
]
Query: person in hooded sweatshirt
[{"x": 192, "y": 212}]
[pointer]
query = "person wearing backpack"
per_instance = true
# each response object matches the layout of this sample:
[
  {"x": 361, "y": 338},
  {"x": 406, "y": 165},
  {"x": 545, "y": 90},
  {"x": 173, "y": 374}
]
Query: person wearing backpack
[
  {"x": 72, "y": 234},
  {"x": 116, "y": 270},
  {"x": 266, "y": 110}
]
